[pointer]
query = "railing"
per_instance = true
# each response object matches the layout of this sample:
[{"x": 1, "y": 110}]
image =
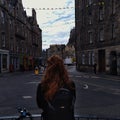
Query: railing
[
  {"x": 38, "y": 116},
  {"x": 24, "y": 114}
]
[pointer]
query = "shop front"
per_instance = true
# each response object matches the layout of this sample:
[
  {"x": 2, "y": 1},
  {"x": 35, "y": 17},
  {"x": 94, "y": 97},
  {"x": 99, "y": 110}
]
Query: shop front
[
  {"x": 14, "y": 62},
  {"x": 4, "y": 61}
]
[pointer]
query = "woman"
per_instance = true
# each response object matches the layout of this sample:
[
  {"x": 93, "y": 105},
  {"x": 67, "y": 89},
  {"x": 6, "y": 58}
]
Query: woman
[{"x": 55, "y": 77}]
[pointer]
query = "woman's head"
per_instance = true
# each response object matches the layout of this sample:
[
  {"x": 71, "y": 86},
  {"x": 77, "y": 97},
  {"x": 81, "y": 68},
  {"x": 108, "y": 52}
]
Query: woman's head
[
  {"x": 55, "y": 75},
  {"x": 55, "y": 65}
]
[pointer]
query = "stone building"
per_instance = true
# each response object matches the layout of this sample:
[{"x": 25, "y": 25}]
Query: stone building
[
  {"x": 97, "y": 26},
  {"x": 64, "y": 51},
  {"x": 20, "y": 37},
  {"x": 56, "y": 49}
]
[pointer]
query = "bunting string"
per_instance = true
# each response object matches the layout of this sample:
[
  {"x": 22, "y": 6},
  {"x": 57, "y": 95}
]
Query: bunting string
[{"x": 50, "y": 8}]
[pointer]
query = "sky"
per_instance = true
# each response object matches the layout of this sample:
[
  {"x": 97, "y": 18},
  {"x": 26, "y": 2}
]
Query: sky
[{"x": 55, "y": 18}]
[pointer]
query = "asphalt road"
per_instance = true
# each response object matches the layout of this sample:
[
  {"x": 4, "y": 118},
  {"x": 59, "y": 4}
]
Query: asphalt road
[{"x": 96, "y": 94}]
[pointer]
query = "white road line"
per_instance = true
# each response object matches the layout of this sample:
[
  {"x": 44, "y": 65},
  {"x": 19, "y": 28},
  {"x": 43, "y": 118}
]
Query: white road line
[
  {"x": 26, "y": 97},
  {"x": 94, "y": 77},
  {"x": 32, "y": 82}
]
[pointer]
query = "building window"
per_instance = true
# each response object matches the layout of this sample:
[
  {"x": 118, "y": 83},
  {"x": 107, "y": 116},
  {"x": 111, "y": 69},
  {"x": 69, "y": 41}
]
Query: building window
[
  {"x": 22, "y": 50},
  {"x": 101, "y": 13},
  {"x": 3, "y": 2},
  {"x": 101, "y": 35},
  {"x": 2, "y": 17},
  {"x": 83, "y": 58},
  {"x": 83, "y": 18},
  {"x": 90, "y": 2},
  {"x": 113, "y": 6},
  {"x": 11, "y": 44},
  {"x": 93, "y": 58},
  {"x": 17, "y": 48},
  {"x": 113, "y": 31},
  {"x": 26, "y": 50},
  {"x": 89, "y": 58},
  {"x": 83, "y": 3},
  {"x": 3, "y": 39},
  {"x": 90, "y": 19},
  {"x": 11, "y": 24},
  {"x": 10, "y": 7},
  {"x": 90, "y": 37}
]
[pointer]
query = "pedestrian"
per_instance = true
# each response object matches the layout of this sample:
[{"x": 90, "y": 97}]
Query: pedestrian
[
  {"x": 95, "y": 65},
  {"x": 56, "y": 93}
]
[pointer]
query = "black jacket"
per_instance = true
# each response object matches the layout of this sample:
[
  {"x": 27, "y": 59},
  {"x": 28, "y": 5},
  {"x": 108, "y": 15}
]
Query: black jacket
[{"x": 43, "y": 104}]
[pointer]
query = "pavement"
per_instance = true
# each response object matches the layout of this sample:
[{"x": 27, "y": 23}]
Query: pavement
[{"x": 73, "y": 69}]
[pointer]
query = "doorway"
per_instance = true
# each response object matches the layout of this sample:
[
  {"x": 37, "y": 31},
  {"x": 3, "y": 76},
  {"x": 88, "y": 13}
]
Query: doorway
[
  {"x": 101, "y": 60},
  {"x": 113, "y": 63}
]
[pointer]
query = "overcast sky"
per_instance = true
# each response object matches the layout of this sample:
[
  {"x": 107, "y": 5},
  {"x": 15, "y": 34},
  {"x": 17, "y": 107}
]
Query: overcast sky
[{"x": 55, "y": 17}]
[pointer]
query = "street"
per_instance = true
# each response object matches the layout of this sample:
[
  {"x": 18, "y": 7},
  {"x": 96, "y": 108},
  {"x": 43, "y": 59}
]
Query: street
[{"x": 95, "y": 94}]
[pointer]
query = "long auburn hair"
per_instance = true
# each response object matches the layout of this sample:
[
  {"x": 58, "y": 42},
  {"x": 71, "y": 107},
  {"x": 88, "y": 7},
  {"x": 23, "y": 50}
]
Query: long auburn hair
[{"x": 56, "y": 76}]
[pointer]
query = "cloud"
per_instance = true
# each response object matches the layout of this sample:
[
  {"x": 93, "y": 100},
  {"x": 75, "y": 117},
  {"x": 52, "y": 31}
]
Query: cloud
[{"x": 55, "y": 24}]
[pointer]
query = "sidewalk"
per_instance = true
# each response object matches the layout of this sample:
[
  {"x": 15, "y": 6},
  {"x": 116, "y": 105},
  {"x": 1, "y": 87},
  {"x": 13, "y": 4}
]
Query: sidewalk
[{"x": 73, "y": 69}]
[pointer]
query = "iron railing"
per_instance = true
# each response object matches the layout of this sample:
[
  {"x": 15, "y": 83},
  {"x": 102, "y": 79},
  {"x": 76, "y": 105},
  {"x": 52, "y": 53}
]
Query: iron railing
[{"x": 77, "y": 117}]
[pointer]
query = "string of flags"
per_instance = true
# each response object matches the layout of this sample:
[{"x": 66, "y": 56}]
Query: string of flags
[{"x": 50, "y": 8}]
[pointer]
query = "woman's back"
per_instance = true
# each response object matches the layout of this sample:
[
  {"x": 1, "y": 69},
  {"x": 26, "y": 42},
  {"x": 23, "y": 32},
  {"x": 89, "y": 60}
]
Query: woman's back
[{"x": 56, "y": 92}]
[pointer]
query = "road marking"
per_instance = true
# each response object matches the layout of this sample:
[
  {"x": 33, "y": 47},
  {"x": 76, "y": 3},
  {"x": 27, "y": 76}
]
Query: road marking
[
  {"x": 94, "y": 77},
  {"x": 27, "y": 97},
  {"x": 111, "y": 79},
  {"x": 32, "y": 82},
  {"x": 85, "y": 86}
]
